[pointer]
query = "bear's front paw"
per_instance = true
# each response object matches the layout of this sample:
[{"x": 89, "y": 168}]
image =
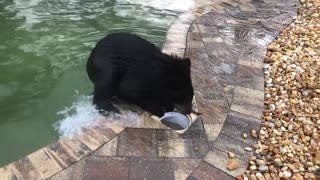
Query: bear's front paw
[{"x": 106, "y": 108}]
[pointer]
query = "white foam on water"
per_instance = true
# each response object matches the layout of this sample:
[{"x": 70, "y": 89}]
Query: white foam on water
[
  {"x": 159, "y": 13},
  {"x": 82, "y": 114},
  {"x": 25, "y": 9},
  {"x": 173, "y": 5},
  {"x": 34, "y": 12}
]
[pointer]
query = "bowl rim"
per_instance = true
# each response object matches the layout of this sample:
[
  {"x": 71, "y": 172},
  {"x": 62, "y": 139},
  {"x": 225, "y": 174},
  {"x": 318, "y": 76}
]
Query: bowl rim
[{"x": 177, "y": 114}]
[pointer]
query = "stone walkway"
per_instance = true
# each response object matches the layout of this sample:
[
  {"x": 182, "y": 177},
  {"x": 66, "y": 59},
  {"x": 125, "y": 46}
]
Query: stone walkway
[{"x": 227, "y": 44}]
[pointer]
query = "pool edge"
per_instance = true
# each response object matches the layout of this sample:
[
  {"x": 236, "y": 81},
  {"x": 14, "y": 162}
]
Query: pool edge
[{"x": 62, "y": 153}]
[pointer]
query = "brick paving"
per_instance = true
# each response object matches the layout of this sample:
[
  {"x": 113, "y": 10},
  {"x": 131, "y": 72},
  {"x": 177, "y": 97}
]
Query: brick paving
[{"x": 226, "y": 42}]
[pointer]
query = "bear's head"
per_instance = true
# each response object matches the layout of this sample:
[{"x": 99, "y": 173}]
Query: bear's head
[{"x": 179, "y": 85}]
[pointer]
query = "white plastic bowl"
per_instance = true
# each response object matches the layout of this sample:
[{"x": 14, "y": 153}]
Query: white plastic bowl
[{"x": 175, "y": 120}]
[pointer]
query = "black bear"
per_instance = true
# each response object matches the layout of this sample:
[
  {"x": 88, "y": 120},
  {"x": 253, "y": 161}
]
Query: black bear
[{"x": 128, "y": 67}]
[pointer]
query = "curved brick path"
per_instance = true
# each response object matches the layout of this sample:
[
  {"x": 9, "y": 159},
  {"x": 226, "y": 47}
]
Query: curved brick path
[{"x": 227, "y": 44}]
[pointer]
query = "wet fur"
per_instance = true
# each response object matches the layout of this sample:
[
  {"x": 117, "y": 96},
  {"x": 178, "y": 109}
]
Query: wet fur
[{"x": 134, "y": 70}]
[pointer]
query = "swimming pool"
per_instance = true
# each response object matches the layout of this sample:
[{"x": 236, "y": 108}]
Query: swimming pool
[{"x": 44, "y": 45}]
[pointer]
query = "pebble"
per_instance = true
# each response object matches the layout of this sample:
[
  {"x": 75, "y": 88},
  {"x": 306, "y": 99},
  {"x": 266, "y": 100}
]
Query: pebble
[
  {"x": 253, "y": 177},
  {"x": 254, "y": 133},
  {"x": 280, "y": 174},
  {"x": 260, "y": 162},
  {"x": 259, "y": 175},
  {"x": 291, "y": 167},
  {"x": 266, "y": 66},
  {"x": 290, "y": 155},
  {"x": 263, "y": 168},
  {"x": 297, "y": 176},
  {"x": 245, "y": 135},
  {"x": 310, "y": 164},
  {"x": 287, "y": 174},
  {"x": 316, "y": 159},
  {"x": 293, "y": 66},
  {"x": 267, "y": 176},
  {"x": 299, "y": 69},
  {"x": 253, "y": 168},
  {"x": 312, "y": 169},
  {"x": 233, "y": 164},
  {"x": 277, "y": 162},
  {"x": 301, "y": 169},
  {"x": 305, "y": 93},
  {"x": 231, "y": 154},
  {"x": 272, "y": 107},
  {"x": 269, "y": 81},
  {"x": 248, "y": 149},
  {"x": 284, "y": 168}
]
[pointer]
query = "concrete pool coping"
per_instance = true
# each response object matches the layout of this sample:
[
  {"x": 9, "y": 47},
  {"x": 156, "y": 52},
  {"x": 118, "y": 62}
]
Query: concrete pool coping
[{"x": 230, "y": 97}]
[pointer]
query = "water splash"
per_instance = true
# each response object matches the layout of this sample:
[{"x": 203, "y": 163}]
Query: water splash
[
  {"x": 37, "y": 11},
  {"x": 173, "y": 5},
  {"x": 82, "y": 114}
]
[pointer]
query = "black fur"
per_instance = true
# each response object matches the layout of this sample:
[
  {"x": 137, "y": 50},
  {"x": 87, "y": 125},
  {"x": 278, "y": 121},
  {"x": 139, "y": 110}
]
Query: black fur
[{"x": 136, "y": 71}]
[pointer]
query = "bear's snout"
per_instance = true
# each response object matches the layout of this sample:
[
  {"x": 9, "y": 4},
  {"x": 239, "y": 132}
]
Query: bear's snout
[{"x": 183, "y": 108}]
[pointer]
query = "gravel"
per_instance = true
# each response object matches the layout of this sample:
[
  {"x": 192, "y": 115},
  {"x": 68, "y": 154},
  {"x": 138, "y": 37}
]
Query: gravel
[{"x": 288, "y": 143}]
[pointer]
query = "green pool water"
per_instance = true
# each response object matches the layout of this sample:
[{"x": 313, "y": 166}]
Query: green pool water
[{"x": 44, "y": 45}]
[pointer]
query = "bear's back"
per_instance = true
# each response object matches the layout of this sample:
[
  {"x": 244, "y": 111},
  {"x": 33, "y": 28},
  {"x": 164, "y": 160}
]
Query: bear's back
[{"x": 125, "y": 44}]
